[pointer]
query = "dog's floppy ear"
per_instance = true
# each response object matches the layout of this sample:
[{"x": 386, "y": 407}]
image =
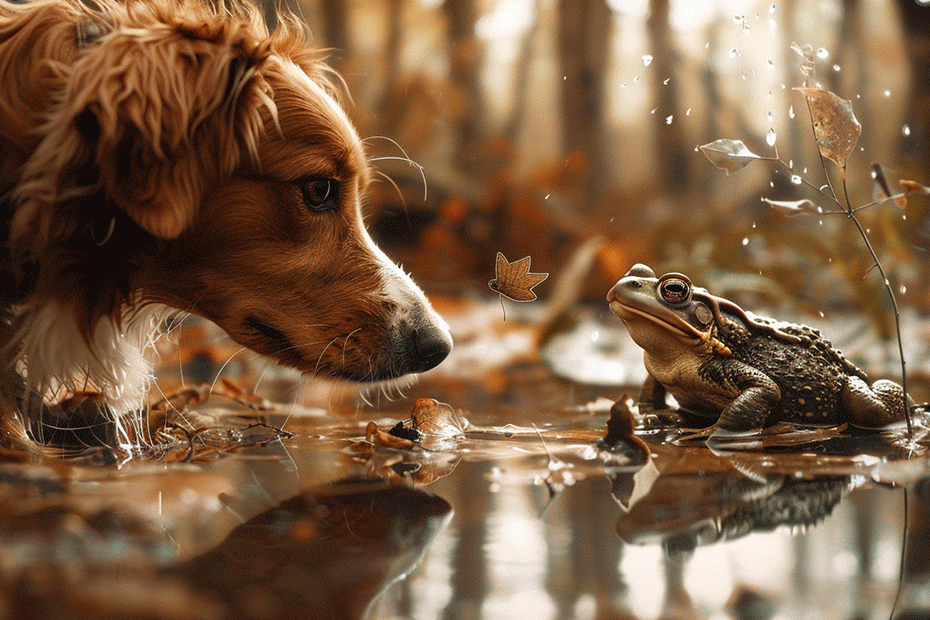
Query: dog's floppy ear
[{"x": 153, "y": 116}]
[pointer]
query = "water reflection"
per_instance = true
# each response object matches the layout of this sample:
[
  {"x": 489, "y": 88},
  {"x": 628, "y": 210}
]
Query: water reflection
[
  {"x": 328, "y": 552},
  {"x": 534, "y": 520}
]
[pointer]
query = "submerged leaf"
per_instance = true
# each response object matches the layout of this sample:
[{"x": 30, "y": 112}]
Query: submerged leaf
[
  {"x": 792, "y": 207},
  {"x": 728, "y": 155},
  {"x": 835, "y": 126}
]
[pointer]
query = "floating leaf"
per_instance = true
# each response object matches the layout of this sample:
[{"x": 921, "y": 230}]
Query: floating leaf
[
  {"x": 432, "y": 426},
  {"x": 390, "y": 439},
  {"x": 792, "y": 207},
  {"x": 835, "y": 126},
  {"x": 438, "y": 425},
  {"x": 728, "y": 155},
  {"x": 514, "y": 280}
]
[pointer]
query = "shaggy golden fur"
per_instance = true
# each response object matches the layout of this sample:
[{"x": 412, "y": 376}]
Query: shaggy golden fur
[{"x": 173, "y": 152}]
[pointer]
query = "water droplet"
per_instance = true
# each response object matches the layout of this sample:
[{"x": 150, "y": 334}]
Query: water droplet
[
  {"x": 768, "y": 115},
  {"x": 739, "y": 18},
  {"x": 688, "y": 112},
  {"x": 647, "y": 60},
  {"x": 745, "y": 240},
  {"x": 906, "y": 130},
  {"x": 668, "y": 119},
  {"x": 796, "y": 179},
  {"x": 903, "y": 291},
  {"x": 547, "y": 196},
  {"x": 887, "y": 93},
  {"x": 822, "y": 53},
  {"x": 791, "y": 111},
  {"x": 772, "y": 9},
  {"x": 836, "y": 67},
  {"x": 636, "y": 79},
  {"x": 653, "y": 110},
  {"x": 770, "y": 137},
  {"x": 770, "y": 64},
  {"x": 733, "y": 52}
]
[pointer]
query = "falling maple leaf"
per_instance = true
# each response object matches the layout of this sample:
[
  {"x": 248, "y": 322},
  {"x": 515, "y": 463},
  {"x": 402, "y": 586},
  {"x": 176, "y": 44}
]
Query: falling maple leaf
[{"x": 514, "y": 280}]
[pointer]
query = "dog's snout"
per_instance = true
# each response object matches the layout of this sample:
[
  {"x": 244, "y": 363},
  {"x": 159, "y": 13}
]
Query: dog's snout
[{"x": 432, "y": 344}]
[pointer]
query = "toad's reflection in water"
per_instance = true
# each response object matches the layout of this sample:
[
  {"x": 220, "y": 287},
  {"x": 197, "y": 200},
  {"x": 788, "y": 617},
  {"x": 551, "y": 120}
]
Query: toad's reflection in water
[
  {"x": 325, "y": 554},
  {"x": 686, "y": 507}
]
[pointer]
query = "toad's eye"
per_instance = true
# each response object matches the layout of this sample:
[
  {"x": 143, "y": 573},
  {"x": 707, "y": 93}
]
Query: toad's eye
[
  {"x": 320, "y": 194},
  {"x": 675, "y": 290}
]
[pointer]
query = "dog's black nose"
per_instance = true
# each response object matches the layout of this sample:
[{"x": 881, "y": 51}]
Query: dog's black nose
[{"x": 432, "y": 344}]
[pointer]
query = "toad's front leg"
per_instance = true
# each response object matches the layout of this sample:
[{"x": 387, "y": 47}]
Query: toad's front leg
[
  {"x": 651, "y": 396},
  {"x": 757, "y": 397}
]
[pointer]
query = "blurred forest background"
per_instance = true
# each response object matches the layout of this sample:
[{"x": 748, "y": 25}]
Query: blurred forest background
[{"x": 540, "y": 124}]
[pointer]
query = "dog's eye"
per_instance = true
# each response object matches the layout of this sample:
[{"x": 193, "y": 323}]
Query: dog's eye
[{"x": 321, "y": 193}]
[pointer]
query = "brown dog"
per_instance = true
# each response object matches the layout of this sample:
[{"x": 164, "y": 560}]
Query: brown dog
[{"x": 173, "y": 153}]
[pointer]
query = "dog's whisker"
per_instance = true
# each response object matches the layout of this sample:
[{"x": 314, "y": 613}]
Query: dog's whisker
[
  {"x": 223, "y": 367},
  {"x": 412, "y": 163},
  {"x": 406, "y": 158}
]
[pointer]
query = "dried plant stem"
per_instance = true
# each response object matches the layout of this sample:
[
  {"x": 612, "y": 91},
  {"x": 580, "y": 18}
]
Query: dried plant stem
[{"x": 851, "y": 214}]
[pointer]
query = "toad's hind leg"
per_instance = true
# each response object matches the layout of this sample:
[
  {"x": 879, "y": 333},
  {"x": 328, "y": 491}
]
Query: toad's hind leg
[{"x": 875, "y": 406}]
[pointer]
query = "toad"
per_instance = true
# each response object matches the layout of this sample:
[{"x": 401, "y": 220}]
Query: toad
[{"x": 738, "y": 371}]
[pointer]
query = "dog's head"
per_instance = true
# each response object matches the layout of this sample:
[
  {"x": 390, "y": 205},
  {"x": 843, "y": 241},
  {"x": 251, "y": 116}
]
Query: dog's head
[{"x": 196, "y": 161}]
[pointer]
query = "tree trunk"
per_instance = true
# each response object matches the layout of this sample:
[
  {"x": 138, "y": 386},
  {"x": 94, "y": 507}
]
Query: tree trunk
[
  {"x": 583, "y": 44},
  {"x": 465, "y": 64},
  {"x": 672, "y": 154}
]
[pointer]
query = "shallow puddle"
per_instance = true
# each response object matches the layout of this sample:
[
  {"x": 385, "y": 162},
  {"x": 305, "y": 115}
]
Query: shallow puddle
[{"x": 511, "y": 518}]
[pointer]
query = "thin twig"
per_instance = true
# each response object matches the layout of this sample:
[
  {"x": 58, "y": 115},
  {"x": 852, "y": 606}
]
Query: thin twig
[{"x": 851, "y": 214}]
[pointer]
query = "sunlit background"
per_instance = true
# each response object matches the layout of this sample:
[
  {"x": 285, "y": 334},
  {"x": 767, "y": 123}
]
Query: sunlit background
[{"x": 540, "y": 124}]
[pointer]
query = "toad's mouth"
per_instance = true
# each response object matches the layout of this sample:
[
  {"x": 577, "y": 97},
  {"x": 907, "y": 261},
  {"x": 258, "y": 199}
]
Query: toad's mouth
[
  {"x": 671, "y": 323},
  {"x": 674, "y": 324}
]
